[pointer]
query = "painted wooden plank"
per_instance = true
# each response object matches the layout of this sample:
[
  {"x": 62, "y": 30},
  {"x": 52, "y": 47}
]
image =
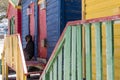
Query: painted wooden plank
[
  {"x": 110, "y": 50},
  {"x": 6, "y": 72},
  {"x": 79, "y": 53},
  {"x": 43, "y": 78},
  {"x": 60, "y": 72},
  {"x": 56, "y": 52},
  {"x": 88, "y": 51},
  {"x": 51, "y": 74},
  {"x": 74, "y": 64},
  {"x": 98, "y": 51},
  {"x": 67, "y": 52},
  {"x": 55, "y": 70},
  {"x": 47, "y": 76},
  {"x": 22, "y": 55}
]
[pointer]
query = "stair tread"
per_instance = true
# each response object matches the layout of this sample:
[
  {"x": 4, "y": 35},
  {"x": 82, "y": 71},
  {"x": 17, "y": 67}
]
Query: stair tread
[
  {"x": 35, "y": 72},
  {"x": 35, "y": 63}
]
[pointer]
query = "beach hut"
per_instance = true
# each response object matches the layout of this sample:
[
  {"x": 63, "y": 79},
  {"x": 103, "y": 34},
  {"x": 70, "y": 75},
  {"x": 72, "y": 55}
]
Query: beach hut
[
  {"x": 58, "y": 13},
  {"x": 14, "y": 17},
  {"x": 30, "y": 21}
]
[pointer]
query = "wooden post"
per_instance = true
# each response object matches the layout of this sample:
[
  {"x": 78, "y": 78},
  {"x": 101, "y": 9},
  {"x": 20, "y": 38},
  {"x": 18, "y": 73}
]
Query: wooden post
[
  {"x": 98, "y": 51},
  {"x": 110, "y": 50},
  {"x": 88, "y": 51},
  {"x": 79, "y": 53}
]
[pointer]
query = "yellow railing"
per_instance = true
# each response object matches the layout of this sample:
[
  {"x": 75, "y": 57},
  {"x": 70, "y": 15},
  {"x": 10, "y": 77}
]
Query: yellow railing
[{"x": 13, "y": 57}]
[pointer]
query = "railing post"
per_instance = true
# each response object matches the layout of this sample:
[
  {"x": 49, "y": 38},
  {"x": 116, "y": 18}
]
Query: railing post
[
  {"x": 4, "y": 64},
  {"x": 24, "y": 77},
  {"x": 79, "y": 53},
  {"x": 60, "y": 69},
  {"x": 51, "y": 73},
  {"x": 18, "y": 72},
  {"x": 73, "y": 54},
  {"x": 98, "y": 38},
  {"x": 4, "y": 68},
  {"x": 46, "y": 76},
  {"x": 6, "y": 72},
  {"x": 88, "y": 51},
  {"x": 55, "y": 77},
  {"x": 67, "y": 52},
  {"x": 110, "y": 50}
]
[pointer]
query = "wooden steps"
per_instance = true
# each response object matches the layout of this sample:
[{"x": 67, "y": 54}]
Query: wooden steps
[
  {"x": 35, "y": 67},
  {"x": 35, "y": 63},
  {"x": 35, "y": 72}
]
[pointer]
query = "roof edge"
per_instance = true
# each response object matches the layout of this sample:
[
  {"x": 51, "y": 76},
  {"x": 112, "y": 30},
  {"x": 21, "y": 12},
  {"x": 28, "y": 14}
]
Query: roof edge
[{"x": 15, "y": 6}]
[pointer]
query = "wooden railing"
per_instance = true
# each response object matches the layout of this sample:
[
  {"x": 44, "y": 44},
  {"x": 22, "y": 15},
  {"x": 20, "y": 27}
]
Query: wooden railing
[
  {"x": 87, "y": 49},
  {"x": 13, "y": 57}
]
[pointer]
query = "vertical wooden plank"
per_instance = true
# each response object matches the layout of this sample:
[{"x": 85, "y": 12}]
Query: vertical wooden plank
[
  {"x": 12, "y": 46},
  {"x": 67, "y": 52},
  {"x": 88, "y": 51},
  {"x": 17, "y": 59},
  {"x": 9, "y": 61},
  {"x": 24, "y": 77},
  {"x": 3, "y": 63},
  {"x": 110, "y": 50},
  {"x": 17, "y": 62},
  {"x": 83, "y": 53},
  {"x": 98, "y": 51},
  {"x": 51, "y": 74},
  {"x": 74, "y": 64},
  {"x": 47, "y": 76},
  {"x": 55, "y": 70},
  {"x": 6, "y": 71},
  {"x": 60, "y": 65},
  {"x": 79, "y": 53},
  {"x": 43, "y": 78}
]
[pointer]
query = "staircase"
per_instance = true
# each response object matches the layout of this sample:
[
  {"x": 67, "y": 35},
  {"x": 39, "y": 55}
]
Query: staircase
[
  {"x": 85, "y": 51},
  {"x": 35, "y": 67},
  {"x": 13, "y": 58}
]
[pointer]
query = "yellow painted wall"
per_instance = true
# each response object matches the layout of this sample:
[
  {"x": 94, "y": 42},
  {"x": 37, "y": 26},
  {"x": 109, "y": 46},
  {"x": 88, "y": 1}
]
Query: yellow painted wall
[
  {"x": 100, "y": 8},
  {"x": 116, "y": 52},
  {"x": 103, "y": 8}
]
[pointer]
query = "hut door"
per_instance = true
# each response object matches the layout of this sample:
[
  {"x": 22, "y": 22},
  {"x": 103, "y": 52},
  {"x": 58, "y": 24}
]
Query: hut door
[
  {"x": 32, "y": 20},
  {"x": 42, "y": 51},
  {"x": 12, "y": 25}
]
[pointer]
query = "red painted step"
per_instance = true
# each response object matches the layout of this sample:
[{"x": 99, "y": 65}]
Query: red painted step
[
  {"x": 35, "y": 72},
  {"x": 34, "y": 63}
]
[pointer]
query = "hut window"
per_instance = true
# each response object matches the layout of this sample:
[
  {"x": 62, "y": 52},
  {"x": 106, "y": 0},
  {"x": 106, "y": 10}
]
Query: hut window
[
  {"x": 12, "y": 25},
  {"x": 43, "y": 5}
]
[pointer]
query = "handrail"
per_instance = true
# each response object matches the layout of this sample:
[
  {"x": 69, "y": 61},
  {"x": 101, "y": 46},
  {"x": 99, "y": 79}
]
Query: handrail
[
  {"x": 22, "y": 55},
  {"x": 85, "y": 26},
  {"x": 13, "y": 57}
]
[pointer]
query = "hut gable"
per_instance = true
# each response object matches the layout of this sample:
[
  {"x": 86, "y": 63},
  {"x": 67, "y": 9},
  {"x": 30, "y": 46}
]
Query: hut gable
[
  {"x": 14, "y": 19},
  {"x": 15, "y": 2}
]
